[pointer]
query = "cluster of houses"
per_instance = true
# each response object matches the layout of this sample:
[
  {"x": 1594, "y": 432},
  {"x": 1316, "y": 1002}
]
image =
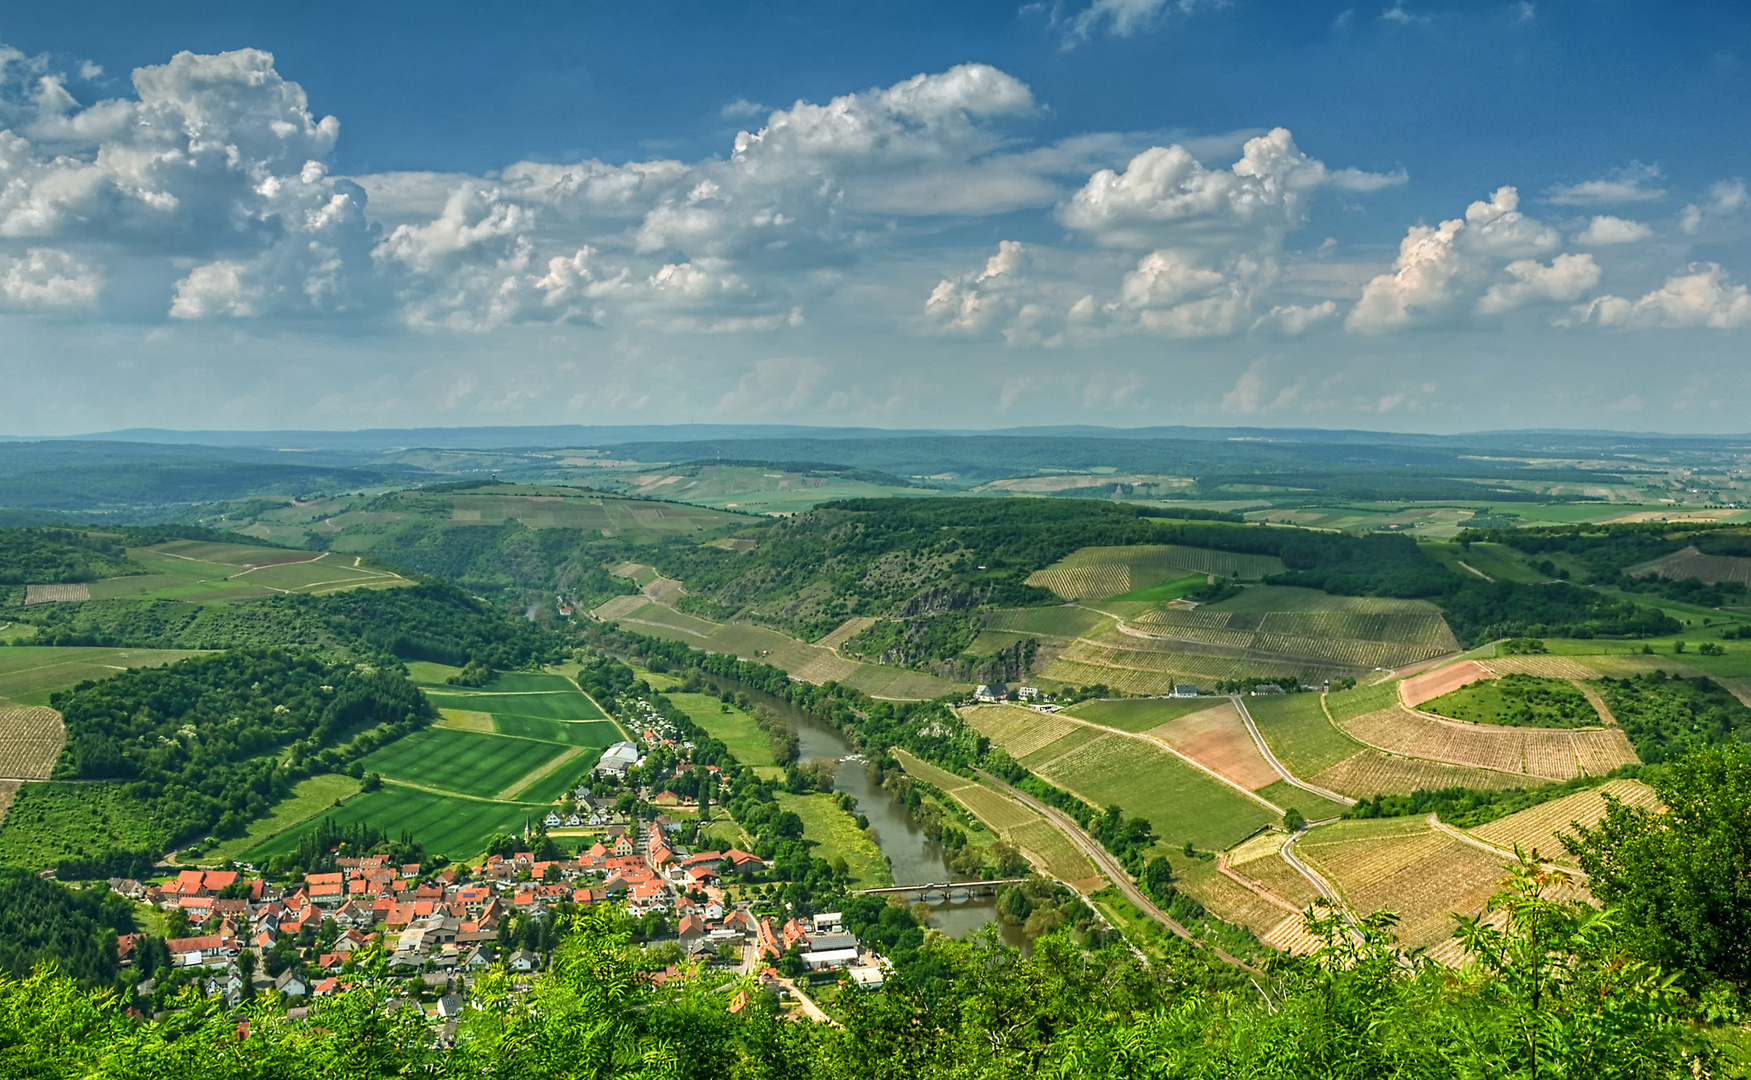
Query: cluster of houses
[{"x": 444, "y": 928}]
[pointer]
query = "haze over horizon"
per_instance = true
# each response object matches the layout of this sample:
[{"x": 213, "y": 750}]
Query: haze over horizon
[{"x": 1416, "y": 217}]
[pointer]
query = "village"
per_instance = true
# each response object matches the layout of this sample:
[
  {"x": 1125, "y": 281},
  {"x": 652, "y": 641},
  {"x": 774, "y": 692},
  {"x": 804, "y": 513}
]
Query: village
[{"x": 436, "y": 930}]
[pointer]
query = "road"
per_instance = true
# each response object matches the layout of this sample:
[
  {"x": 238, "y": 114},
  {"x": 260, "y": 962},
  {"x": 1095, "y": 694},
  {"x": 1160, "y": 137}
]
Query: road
[
  {"x": 1109, "y": 866},
  {"x": 1258, "y": 740}
]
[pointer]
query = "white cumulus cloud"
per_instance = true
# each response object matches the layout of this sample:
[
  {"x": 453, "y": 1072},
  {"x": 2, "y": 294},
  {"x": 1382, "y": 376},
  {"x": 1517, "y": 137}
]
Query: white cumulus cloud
[
  {"x": 1701, "y": 297},
  {"x": 1632, "y": 183},
  {"x": 1605, "y": 230}
]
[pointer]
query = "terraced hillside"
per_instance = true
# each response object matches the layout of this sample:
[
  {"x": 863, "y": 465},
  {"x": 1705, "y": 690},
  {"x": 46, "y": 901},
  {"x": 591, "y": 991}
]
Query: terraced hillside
[{"x": 1095, "y": 572}]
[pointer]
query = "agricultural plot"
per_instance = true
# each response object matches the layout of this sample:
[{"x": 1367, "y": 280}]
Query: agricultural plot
[
  {"x": 1426, "y": 876},
  {"x": 1428, "y": 685},
  {"x": 1269, "y": 871},
  {"x": 1146, "y": 666},
  {"x": 1691, "y": 563},
  {"x": 1180, "y": 801},
  {"x": 564, "y": 776},
  {"x": 231, "y": 573},
  {"x": 1297, "y": 730},
  {"x": 621, "y": 607},
  {"x": 1370, "y": 772},
  {"x": 597, "y": 733},
  {"x": 445, "y": 824},
  {"x": 1229, "y": 900},
  {"x": 1357, "y": 701},
  {"x": 1217, "y": 739},
  {"x": 1052, "y": 852},
  {"x": 1312, "y": 807},
  {"x": 1137, "y": 714},
  {"x": 1019, "y": 731},
  {"x": 572, "y": 706},
  {"x": 1096, "y": 572},
  {"x": 56, "y": 594},
  {"x": 310, "y": 797},
  {"x": 1545, "y": 667},
  {"x": 238, "y": 555},
  {"x": 31, "y": 738},
  {"x": 1540, "y": 828},
  {"x": 1047, "y": 622},
  {"x": 29, "y": 674},
  {"x": 1547, "y": 753},
  {"x": 846, "y": 630},
  {"x": 1071, "y": 740},
  {"x": 1370, "y": 636},
  {"x": 462, "y": 761}
]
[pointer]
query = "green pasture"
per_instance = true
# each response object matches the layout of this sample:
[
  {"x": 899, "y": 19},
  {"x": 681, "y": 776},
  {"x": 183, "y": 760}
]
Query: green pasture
[
  {"x": 1139, "y": 714},
  {"x": 1517, "y": 701},
  {"x": 1296, "y": 729},
  {"x": 836, "y": 836},
  {"x": 444, "y": 824},
  {"x": 734, "y": 728},
  {"x": 1179, "y": 801},
  {"x": 30, "y": 673},
  {"x": 462, "y": 761},
  {"x": 597, "y": 733},
  {"x": 310, "y": 797}
]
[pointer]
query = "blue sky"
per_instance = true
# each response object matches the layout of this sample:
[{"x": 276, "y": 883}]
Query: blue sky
[{"x": 1410, "y": 216}]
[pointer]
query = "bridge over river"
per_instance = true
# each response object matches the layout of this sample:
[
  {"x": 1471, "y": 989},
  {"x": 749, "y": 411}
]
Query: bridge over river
[{"x": 943, "y": 890}]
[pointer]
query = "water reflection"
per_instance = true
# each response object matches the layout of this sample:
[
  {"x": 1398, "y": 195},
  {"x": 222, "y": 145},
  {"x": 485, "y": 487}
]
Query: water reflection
[{"x": 914, "y": 858}]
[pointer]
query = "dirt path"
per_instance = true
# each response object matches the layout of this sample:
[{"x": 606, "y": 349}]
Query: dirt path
[
  {"x": 1476, "y": 571},
  {"x": 1484, "y": 845},
  {"x": 1597, "y": 702},
  {"x": 1252, "y": 886},
  {"x": 1106, "y": 864},
  {"x": 510, "y": 793},
  {"x": 1282, "y": 770}
]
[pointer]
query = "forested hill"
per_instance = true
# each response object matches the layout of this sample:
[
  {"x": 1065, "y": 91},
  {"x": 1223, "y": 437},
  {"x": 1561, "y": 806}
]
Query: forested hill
[
  {"x": 907, "y": 557},
  {"x": 58, "y": 556}
]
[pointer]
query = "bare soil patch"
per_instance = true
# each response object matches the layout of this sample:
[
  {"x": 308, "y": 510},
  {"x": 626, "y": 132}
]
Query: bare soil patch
[
  {"x": 1432, "y": 684},
  {"x": 1217, "y": 739}
]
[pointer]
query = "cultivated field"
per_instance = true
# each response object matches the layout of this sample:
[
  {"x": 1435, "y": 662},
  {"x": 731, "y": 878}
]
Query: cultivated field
[
  {"x": 1404, "y": 865},
  {"x": 1367, "y": 634},
  {"x": 56, "y": 594},
  {"x": 846, "y": 630},
  {"x": 1096, "y": 572},
  {"x": 1180, "y": 801},
  {"x": 1297, "y": 730},
  {"x": 1547, "y": 667},
  {"x": 444, "y": 824},
  {"x": 1547, "y": 753},
  {"x": 1217, "y": 739},
  {"x": 29, "y": 674},
  {"x": 1429, "y": 685},
  {"x": 1138, "y": 714},
  {"x": 1067, "y": 621},
  {"x": 1369, "y": 772},
  {"x": 31, "y": 738},
  {"x": 1229, "y": 900},
  {"x": 1052, "y": 852},
  {"x": 1540, "y": 827},
  {"x": 597, "y": 733},
  {"x": 310, "y": 797},
  {"x": 1137, "y": 665},
  {"x": 462, "y": 761},
  {"x": 1691, "y": 563},
  {"x": 1074, "y": 739},
  {"x": 1019, "y": 731}
]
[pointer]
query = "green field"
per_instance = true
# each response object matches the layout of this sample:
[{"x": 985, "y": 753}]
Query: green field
[
  {"x": 461, "y": 761},
  {"x": 29, "y": 674},
  {"x": 1139, "y": 714},
  {"x": 1312, "y": 807},
  {"x": 552, "y": 787},
  {"x": 1297, "y": 731},
  {"x": 1181, "y": 802},
  {"x": 734, "y": 728},
  {"x": 572, "y": 706},
  {"x": 596, "y": 733},
  {"x": 1068, "y": 620},
  {"x": 1517, "y": 701},
  {"x": 310, "y": 797},
  {"x": 222, "y": 573},
  {"x": 1167, "y": 590},
  {"x": 1349, "y": 704},
  {"x": 445, "y": 824},
  {"x": 836, "y": 836}
]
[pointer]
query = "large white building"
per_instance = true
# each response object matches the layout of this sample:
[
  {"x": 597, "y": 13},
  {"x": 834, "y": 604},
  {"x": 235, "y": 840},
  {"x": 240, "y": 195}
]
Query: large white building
[{"x": 618, "y": 758}]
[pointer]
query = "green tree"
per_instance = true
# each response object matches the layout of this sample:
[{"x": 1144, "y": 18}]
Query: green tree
[{"x": 1682, "y": 878}]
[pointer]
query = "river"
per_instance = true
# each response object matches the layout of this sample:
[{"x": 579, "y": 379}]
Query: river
[{"x": 913, "y": 857}]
